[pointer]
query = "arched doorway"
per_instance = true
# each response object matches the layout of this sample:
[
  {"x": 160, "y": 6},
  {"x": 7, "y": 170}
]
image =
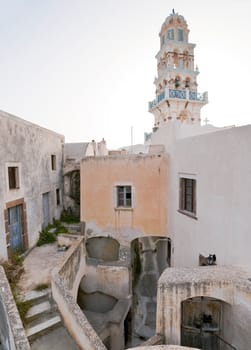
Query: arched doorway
[{"x": 201, "y": 323}]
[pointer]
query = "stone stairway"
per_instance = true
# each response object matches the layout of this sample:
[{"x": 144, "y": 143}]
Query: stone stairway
[{"x": 43, "y": 316}]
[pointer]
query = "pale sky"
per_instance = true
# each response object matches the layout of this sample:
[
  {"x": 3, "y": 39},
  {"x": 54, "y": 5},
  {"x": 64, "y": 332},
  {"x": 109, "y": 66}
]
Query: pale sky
[{"x": 85, "y": 68}]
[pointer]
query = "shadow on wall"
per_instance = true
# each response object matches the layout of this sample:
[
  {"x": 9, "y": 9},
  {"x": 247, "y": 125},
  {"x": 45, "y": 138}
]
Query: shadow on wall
[
  {"x": 96, "y": 302},
  {"x": 103, "y": 248}
]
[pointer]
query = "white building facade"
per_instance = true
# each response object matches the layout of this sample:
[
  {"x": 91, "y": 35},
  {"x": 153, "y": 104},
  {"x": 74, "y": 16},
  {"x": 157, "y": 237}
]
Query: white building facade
[
  {"x": 31, "y": 160},
  {"x": 209, "y": 201}
]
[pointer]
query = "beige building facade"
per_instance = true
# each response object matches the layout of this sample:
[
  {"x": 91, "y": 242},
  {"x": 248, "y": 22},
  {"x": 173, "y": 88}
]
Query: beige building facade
[{"x": 125, "y": 196}]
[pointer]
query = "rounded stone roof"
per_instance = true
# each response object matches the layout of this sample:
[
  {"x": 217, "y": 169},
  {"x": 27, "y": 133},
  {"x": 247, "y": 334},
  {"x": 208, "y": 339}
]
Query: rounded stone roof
[{"x": 174, "y": 19}]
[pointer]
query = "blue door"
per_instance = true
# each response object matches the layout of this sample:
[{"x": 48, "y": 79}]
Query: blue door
[
  {"x": 46, "y": 209},
  {"x": 15, "y": 228}
]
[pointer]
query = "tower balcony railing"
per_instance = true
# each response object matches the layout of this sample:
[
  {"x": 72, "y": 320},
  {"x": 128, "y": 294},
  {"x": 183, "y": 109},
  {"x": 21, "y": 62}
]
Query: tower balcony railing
[{"x": 170, "y": 94}]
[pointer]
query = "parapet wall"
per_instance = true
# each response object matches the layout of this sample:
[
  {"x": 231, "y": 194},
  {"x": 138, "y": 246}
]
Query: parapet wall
[
  {"x": 12, "y": 334},
  {"x": 64, "y": 283}
]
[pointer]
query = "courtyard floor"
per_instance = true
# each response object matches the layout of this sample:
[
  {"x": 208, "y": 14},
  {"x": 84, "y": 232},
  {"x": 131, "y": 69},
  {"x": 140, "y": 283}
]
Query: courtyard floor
[{"x": 38, "y": 265}]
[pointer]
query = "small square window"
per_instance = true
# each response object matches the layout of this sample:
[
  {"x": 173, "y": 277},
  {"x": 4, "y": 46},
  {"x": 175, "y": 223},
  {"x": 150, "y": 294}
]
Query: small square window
[
  {"x": 188, "y": 195},
  {"x": 13, "y": 175},
  {"x": 58, "y": 196},
  {"x": 124, "y": 196},
  {"x": 53, "y": 162}
]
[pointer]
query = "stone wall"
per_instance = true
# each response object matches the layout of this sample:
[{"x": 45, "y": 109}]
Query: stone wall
[{"x": 12, "y": 334}]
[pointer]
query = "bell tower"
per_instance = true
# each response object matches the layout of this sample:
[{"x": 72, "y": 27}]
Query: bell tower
[{"x": 177, "y": 99}]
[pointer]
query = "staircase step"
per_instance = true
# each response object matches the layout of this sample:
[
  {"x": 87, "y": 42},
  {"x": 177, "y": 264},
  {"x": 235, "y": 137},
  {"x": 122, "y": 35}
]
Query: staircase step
[
  {"x": 42, "y": 328},
  {"x": 38, "y": 310},
  {"x": 35, "y": 296}
]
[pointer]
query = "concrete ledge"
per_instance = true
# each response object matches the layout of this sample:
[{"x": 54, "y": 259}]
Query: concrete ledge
[{"x": 11, "y": 326}]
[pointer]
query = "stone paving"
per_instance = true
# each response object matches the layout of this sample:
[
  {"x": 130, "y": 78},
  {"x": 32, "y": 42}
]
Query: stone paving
[{"x": 38, "y": 265}]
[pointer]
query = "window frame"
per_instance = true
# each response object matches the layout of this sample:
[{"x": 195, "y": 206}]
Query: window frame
[
  {"x": 170, "y": 34},
  {"x": 188, "y": 195},
  {"x": 13, "y": 172},
  {"x": 116, "y": 205},
  {"x": 124, "y": 196},
  {"x": 180, "y": 34}
]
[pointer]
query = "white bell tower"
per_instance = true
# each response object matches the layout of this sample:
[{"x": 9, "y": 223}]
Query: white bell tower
[{"x": 177, "y": 100}]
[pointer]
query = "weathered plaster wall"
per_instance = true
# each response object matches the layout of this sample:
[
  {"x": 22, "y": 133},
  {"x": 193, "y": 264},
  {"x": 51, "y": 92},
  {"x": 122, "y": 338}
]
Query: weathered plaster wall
[
  {"x": 111, "y": 280},
  {"x": 148, "y": 177},
  {"x": 237, "y": 319},
  {"x": 220, "y": 163},
  {"x": 29, "y": 147}
]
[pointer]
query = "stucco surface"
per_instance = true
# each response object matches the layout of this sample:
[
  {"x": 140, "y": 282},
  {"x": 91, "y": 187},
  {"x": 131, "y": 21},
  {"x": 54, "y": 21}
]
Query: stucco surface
[
  {"x": 38, "y": 266},
  {"x": 220, "y": 164},
  {"x": 147, "y": 175},
  {"x": 29, "y": 147}
]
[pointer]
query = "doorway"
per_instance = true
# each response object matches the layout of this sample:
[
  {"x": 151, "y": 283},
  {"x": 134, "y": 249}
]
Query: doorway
[
  {"x": 15, "y": 223},
  {"x": 46, "y": 209},
  {"x": 201, "y": 323}
]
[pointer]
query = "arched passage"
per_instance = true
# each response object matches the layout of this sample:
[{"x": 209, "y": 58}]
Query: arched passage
[
  {"x": 150, "y": 256},
  {"x": 202, "y": 322},
  {"x": 179, "y": 284}
]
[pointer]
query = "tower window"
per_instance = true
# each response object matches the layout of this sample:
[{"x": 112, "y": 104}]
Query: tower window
[
  {"x": 163, "y": 40},
  {"x": 170, "y": 34},
  {"x": 180, "y": 35}
]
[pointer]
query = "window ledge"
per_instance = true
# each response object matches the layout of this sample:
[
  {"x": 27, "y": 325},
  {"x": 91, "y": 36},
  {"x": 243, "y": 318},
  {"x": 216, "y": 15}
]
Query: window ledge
[
  {"x": 123, "y": 209},
  {"x": 188, "y": 213}
]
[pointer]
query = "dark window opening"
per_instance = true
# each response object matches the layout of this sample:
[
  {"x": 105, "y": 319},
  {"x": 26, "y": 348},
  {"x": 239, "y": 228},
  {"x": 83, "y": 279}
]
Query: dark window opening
[
  {"x": 13, "y": 177},
  {"x": 53, "y": 162},
  {"x": 188, "y": 195},
  {"x": 58, "y": 196}
]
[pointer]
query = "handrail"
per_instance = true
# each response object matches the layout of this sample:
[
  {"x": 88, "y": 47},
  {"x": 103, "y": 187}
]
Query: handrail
[{"x": 225, "y": 342}]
